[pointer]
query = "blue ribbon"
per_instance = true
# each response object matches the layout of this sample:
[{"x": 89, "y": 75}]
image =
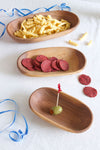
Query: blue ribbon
[
  {"x": 48, "y": 9},
  {"x": 14, "y": 135},
  {"x": 63, "y": 6},
  {"x": 24, "y": 9},
  {"x": 17, "y": 136},
  {"x": 21, "y": 13},
  {"x": 3, "y": 29}
]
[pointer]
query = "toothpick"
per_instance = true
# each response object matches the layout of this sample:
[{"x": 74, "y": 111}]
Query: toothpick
[
  {"x": 57, "y": 99},
  {"x": 59, "y": 89}
]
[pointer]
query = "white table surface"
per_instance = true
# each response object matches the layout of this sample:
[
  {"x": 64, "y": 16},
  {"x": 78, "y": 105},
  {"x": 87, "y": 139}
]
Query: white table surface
[{"x": 14, "y": 85}]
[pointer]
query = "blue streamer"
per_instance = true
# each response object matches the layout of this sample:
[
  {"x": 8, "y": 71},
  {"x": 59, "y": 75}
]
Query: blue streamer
[
  {"x": 29, "y": 11},
  {"x": 12, "y": 12},
  {"x": 63, "y": 6},
  {"x": 20, "y": 134},
  {"x": 3, "y": 29},
  {"x": 48, "y": 9},
  {"x": 14, "y": 135},
  {"x": 20, "y": 12}
]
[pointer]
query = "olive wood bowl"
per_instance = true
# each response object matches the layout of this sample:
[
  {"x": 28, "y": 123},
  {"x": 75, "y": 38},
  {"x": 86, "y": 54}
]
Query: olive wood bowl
[
  {"x": 76, "y": 116},
  {"x": 58, "y": 14},
  {"x": 75, "y": 59}
]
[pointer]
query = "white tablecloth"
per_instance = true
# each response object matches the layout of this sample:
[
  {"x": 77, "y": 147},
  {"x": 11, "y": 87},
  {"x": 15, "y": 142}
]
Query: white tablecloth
[{"x": 14, "y": 85}]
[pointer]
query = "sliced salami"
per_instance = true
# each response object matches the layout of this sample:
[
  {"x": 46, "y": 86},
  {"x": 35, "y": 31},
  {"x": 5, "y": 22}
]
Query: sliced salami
[
  {"x": 36, "y": 63},
  {"x": 54, "y": 65},
  {"x": 90, "y": 91},
  {"x": 27, "y": 62},
  {"x": 63, "y": 65},
  {"x": 42, "y": 63},
  {"x": 41, "y": 58},
  {"x": 52, "y": 58},
  {"x": 31, "y": 68},
  {"x": 84, "y": 79},
  {"x": 46, "y": 66},
  {"x": 37, "y": 68}
]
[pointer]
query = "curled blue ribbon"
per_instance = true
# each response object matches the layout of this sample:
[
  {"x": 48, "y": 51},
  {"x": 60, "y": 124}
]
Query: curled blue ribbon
[
  {"x": 21, "y": 13},
  {"x": 48, "y": 9},
  {"x": 3, "y": 29},
  {"x": 14, "y": 135},
  {"x": 29, "y": 11},
  {"x": 63, "y": 6},
  {"x": 12, "y": 12},
  {"x": 17, "y": 136}
]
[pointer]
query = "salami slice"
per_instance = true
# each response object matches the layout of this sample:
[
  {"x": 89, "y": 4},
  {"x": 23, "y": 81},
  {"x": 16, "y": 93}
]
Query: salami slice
[
  {"x": 46, "y": 66},
  {"x": 63, "y": 65},
  {"x": 52, "y": 58},
  {"x": 31, "y": 68},
  {"x": 41, "y": 58},
  {"x": 90, "y": 91},
  {"x": 36, "y": 63},
  {"x": 54, "y": 65},
  {"x": 37, "y": 68},
  {"x": 27, "y": 63},
  {"x": 84, "y": 79}
]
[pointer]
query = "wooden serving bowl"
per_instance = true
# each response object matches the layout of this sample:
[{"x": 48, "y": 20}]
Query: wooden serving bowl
[
  {"x": 58, "y": 14},
  {"x": 75, "y": 59},
  {"x": 75, "y": 117}
]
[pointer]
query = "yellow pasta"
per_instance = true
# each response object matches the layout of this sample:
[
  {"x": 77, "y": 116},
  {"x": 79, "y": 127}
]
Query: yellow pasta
[
  {"x": 40, "y": 26},
  {"x": 83, "y": 36},
  {"x": 72, "y": 43},
  {"x": 90, "y": 43}
]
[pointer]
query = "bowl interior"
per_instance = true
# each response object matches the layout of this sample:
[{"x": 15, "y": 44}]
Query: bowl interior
[{"x": 75, "y": 117}]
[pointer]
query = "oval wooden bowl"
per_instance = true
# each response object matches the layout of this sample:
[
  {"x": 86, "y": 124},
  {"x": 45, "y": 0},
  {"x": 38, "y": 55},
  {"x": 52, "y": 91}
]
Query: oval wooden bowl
[
  {"x": 76, "y": 116},
  {"x": 74, "y": 57},
  {"x": 58, "y": 14}
]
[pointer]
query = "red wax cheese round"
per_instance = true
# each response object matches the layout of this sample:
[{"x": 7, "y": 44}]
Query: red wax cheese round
[
  {"x": 46, "y": 66},
  {"x": 89, "y": 91},
  {"x": 27, "y": 63},
  {"x": 41, "y": 58},
  {"x": 63, "y": 65},
  {"x": 84, "y": 79}
]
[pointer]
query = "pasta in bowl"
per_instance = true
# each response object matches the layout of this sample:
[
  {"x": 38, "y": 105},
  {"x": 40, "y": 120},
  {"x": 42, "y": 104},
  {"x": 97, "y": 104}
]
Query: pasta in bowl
[{"x": 42, "y": 26}]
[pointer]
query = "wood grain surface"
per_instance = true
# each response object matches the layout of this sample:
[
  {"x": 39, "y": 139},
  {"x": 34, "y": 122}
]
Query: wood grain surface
[{"x": 75, "y": 117}]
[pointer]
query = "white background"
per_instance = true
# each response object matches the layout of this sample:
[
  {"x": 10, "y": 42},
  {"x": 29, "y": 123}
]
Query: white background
[{"x": 14, "y": 85}]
